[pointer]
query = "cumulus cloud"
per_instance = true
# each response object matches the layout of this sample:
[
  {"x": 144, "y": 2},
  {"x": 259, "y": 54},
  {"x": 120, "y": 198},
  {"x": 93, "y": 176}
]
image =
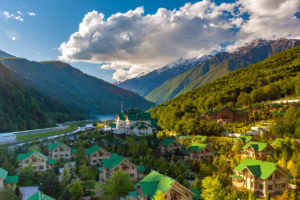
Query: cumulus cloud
[
  {"x": 17, "y": 16},
  {"x": 31, "y": 14},
  {"x": 133, "y": 43}
]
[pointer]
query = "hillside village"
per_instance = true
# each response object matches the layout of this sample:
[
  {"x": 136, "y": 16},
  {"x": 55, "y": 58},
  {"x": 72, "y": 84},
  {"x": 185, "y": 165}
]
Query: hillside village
[{"x": 128, "y": 158}]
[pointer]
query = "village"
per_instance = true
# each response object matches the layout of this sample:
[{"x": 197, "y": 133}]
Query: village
[{"x": 154, "y": 164}]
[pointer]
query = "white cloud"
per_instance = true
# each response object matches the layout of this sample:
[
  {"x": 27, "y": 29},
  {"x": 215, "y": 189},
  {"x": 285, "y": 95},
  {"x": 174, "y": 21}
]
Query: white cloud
[
  {"x": 31, "y": 14},
  {"x": 17, "y": 16},
  {"x": 7, "y": 14},
  {"x": 133, "y": 43}
]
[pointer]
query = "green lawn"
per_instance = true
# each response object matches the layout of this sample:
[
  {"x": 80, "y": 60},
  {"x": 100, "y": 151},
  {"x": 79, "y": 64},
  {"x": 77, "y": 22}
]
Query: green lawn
[{"x": 71, "y": 128}]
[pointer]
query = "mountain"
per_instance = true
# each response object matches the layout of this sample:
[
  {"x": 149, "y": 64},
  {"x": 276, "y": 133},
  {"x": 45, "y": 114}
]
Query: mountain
[
  {"x": 143, "y": 85},
  {"x": 4, "y": 54},
  {"x": 276, "y": 77},
  {"x": 218, "y": 66},
  {"x": 77, "y": 91},
  {"x": 24, "y": 108}
]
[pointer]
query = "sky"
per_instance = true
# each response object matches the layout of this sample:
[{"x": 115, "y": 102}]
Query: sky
[{"x": 116, "y": 40}]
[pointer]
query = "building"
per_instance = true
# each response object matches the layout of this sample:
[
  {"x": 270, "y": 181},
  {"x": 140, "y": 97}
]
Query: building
[
  {"x": 243, "y": 138},
  {"x": 6, "y": 138},
  {"x": 40, "y": 196},
  {"x": 135, "y": 121},
  {"x": 257, "y": 150},
  {"x": 59, "y": 150},
  {"x": 260, "y": 177},
  {"x": 170, "y": 145},
  {"x": 96, "y": 154},
  {"x": 115, "y": 163},
  {"x": 154, "y": 181},
  {"x": 276, "y": 141},
  {"x": 227, "y": 114},
  {"x": 6, "y": 181},
  {"x": 199, "y": 152},
  {"x": 39, "y": 161}
]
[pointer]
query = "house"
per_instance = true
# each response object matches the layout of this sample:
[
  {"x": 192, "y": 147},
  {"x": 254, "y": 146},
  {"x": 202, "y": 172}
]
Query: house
[
  {"x": 154, "y": 181},
  {"x": 40, "y": 196},
  {"x": 59, "y": 150},
  {"x": 257, "y": 150},
  {"x": 115, "y": 163},
  {"x": 39, "y": 161},
  {"x": 197, "y": 194},
  {"x": 260, "y": 177},
  {"x": 199, "y": 152},
  {"x": 135, "y": 121},
  {"x": 275, "y": 142},
  {"x": 6, "y": 181},
  {"x": 170, "y": 145},
  {"x": 274, "y": 106},
  {"x": 96, "y": 154},
  {"x": 227, "y": 114},
  {"x": 199, "y": 139},
  {"x": 141, "y": 170},
  {"x": 243, "y": 138}
]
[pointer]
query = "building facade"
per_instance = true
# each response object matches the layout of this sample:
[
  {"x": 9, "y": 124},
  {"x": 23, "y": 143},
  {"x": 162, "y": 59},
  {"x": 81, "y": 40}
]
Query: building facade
[
  {"x": 227, "y": 114},
  {"x": 36, "y": 159},
  {"x": 257, "y": 150},
  {"x": 136, "y": 122},
  {"x": 260, "y": 177},
  {"x": 118, "y": 163},
  {"x": 170, "y": 145},
  {"x": 96, "y": 155},
  {"x": 199, "y": 152},
  {"x": 154, "y": 181},
  {"x": 6, "y": 181},
  {"x": 59, "y": 150}
]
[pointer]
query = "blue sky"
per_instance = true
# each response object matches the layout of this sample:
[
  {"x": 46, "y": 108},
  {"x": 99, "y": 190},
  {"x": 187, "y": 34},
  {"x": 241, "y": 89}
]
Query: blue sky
[{"x": 35, "y": 29}]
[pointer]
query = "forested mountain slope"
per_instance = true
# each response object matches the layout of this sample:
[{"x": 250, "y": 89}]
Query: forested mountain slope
[
  {"x": 218, "y": 66},
  {"x": 77, "y": 91},
  {"x": 273, "y": 78},
  {"x": 23, "y": 108}
]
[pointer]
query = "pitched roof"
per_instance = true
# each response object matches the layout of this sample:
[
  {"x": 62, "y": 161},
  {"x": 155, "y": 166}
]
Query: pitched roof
[
  {"x": 168, "y": 141},
  {"x": 276, "y": 141},
  {"x": 258, "y": 146},
  {"x": 3, "y": 173},
  {"x": 141, "y": 168},
  {"x": 90, "y": 151},
  {"x": 244, "y": 138},
  {"x": 51, "y": 161},
  {"x": 153, "y": 182},
  {"x": 11, "y": 179},
  {"x": 258, "y": 168},
  {"x": 23, "y": 156},
  {"x": 197, "y": 147},
  {"x": 55, "y": 145},
  {"x": 40, "y": 196},
  {"x": 197, "y": 194},
  {"x": 200, "y": 137},
  {"x": 113, "y": 161}
]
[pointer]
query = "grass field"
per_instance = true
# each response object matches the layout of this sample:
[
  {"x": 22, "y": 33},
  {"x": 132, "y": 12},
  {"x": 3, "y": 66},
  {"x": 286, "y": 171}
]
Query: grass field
[{"x": 71, "y": 128}]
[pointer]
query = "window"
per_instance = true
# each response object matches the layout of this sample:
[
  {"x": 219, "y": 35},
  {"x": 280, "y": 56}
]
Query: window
[
  {"x": 270, "y": 178},
  {"x": 283, "y": 185},
  {"x": 270, "y": 187},
  {"x": 131, "y": 175},
  {"x": 67, "y": 155},
  {"x": 41, "y": 167},
  {"x": 261, "y": 186}
]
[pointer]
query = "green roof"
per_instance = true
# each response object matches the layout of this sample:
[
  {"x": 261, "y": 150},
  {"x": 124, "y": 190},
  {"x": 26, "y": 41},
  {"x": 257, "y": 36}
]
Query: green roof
[
  {"x": 23, "y": 156},
  {"x": 11, "y": 179},
  {"x": 197, "y": 194},
  {"x": 3, "y": 173},
  {"x": 168, "y": 141},
  {"x": 90, "y": 151},
  {"x": 51, "y": 161},
  {"x": 200, "y": 137},
  {"x": 141, "y": 168},
  {"x": 113, "y": 161},
  {"x": 40, "y": 196},
  {"x": 258, "y": 168},
  {"x": 244, "y": 138},
  {"x": 276, "y": 141},
  {"x": 73, "y": 150},
  {"x": 153, "y": 182},
  {"x": 140, "y": 125},
  {"x": 258, "y": 146},
  {"x": 197, "y": 147},
  {"x": 133, "y": 194},
  {"x": 54, "y": 146}
]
